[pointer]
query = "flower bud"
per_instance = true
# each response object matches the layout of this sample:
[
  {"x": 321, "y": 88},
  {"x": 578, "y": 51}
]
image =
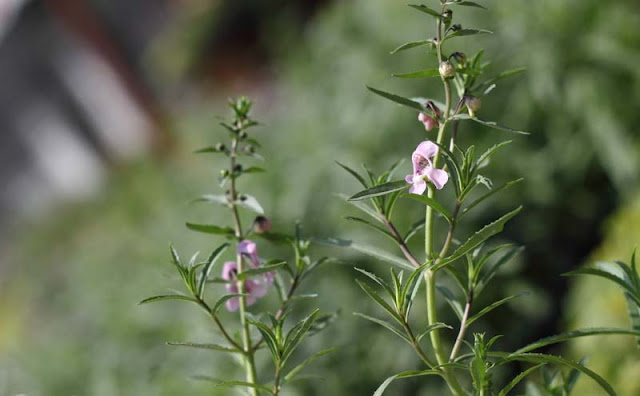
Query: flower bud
[
  {"x": 432, "y": 106},
  {"x": 261, "y": 224},
  {"x": 429, "y": 122},
  {"x": 220, "y": 147},
  {"x": 447, "y": 15},
  {"x": 446, "y": 69},
  {"x": 473, "y": 104},
  {"x": 460, "y": 57},
  {"x": 238, "y": 168}
]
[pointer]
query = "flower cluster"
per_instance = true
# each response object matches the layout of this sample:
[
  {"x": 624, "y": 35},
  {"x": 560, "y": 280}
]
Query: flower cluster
[{"x": 254, "y": 288}]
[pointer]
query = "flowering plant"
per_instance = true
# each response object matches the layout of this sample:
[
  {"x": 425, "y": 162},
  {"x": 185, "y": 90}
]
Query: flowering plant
[
  {"x": 248, "y": 278},
  {"x": 466, "y": 364}
]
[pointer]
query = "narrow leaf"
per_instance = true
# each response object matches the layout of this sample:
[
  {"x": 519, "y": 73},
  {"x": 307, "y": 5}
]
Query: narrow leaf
[
  {"x": 492, "y": 306},
  {"x": 488, "y": 195},
  {"x": 261, "y": 270},
  {"x": 373, "y": 226},
  {"x": 166, "y": 297},
  {"x": 250, "y": 202},
  {"x": 466, "y": 32},
  {"x": 437, "y": 206},
  {"x": 211, "y": 347},
  {"x": 384, "y": 324},
  {"x": 469, "y": 4},
  {"x": 354, "y": 174},
  {"x": 419, "y": 74},
  {"x": 206, "y": 270},
  {"x": 368, "y": 250},
  {"x": 222, "y": 300},
  {"x": 490, "y": 124},
  {"x": 378, "y": 299},
  {"x": 298, "y": 368},
  {"x": 425, "y": 9},
  {"x": 405, "y": 374},
  {"x": 231, "y": 384},
  {"x": 411, "y": 44},
  {"x": 211, "y": 229},
  {"x": 575, "y": 334},
  {"x": 381, "y": 189},
  {"x": 398, "y": 99},
  {"x": 519, "y": 378}
]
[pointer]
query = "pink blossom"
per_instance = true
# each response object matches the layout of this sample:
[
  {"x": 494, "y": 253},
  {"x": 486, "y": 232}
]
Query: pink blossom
[
  {"x": 423, "y": 169},
  {"x": 254, "y": 288},
  {"x": 428, "y": 121}
]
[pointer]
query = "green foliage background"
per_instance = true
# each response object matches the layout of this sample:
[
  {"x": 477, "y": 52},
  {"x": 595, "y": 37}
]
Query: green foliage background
[{"x": 67, "y": 298}]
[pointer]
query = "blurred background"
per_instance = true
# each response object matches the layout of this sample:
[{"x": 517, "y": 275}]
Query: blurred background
[{"x": 102, "y": 103}]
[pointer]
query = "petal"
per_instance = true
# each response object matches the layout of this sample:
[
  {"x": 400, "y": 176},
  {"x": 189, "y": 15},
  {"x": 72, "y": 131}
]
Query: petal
[
  {"x": 250, "y": 300},
  {"x": 233, "y": 304},
  {"x": 229, "y": 270},
  {"x": 422, "y": 117},
  {"x": 438, "y": 177},
  {"x": 247, "y": 247},
  {"x": 256, "y": 289},
  {"x": 426, "y": 149},
  {"x": 269, "y": 276},
  {"x": 418, "y": 187},
  {"x": 409, "y": 179},
  {"x": 232, "y": 288}
]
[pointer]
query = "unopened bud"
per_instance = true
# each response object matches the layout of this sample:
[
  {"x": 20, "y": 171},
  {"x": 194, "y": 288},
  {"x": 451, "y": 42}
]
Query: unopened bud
[
  {"x": 460, "y": 57},
  {"x": 473, "y": 104},
  {"x": 432, "y": 106},
  {"x": 220, "y": 147},
  {"x": 238, "y": 168},
  {"x": 455, "y": 27},
  {"x": 446, "y": 69},
  {"x": 447, "y": 15},
  {"x": 261, "y": 224},
  {"x": 429, "y": 122}
]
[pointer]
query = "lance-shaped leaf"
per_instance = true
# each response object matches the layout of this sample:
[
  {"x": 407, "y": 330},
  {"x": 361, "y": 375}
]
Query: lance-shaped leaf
[
  {"x": 437, "y": 206},
  {"x": 368, "y": 250},
  {"x": 419, "y": 74},
  {"x": 206, "y": 269},
  {"x": 297, "y": 334},
  {"x": 384, "y": 324},
  {"x": 210, "y": 347},
  {"x": 490, "y": 124},
  {"x": 211, "y": 198},
  {"x": 575, "y": 334},
  {"x": 166, "y": 297},
  {"x": 261, "y": 270},
  {"x": 405, "y": 374},
  {"x": 501, "y": 76},
  {"x": 233, "y": 384},
  {"x": 542, "y": 358},
  {"x": 613, "y": 273},
  {"x": 379, "y": 190},
  {"x": 426, "y": 10},
  {"x": 250, "y": 202},
  {"x": 224, "y": 299},
  {"x": 371, "y": 225},
  {"x": 432, "y": 327},
  {"x": 291, "y": 374},
  {"x": 488, "y": 195},
  {"x": 363, "y": 207},
  {"x": 211, "y": 229},
  {"x": 412, "y": 44},
  {"x": 353, "y": 173},
  {"x": 254, "y": 169},
  {"x": 466, "y": 32},
  {"x": 484, "y": 158},
  {"x": 493, "y": 306},
  {"x": 376, "y": 279},
  {"x": 398, "y": 99},
  {"x": 476, "y": 239},
  {"x": 379, "y": 300},
  {"x": 519, "y": 378},
  {"x": 467, "y": 4}
]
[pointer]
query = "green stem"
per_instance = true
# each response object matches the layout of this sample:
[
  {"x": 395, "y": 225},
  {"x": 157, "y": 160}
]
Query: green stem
[{"x": 249, "y": 352}]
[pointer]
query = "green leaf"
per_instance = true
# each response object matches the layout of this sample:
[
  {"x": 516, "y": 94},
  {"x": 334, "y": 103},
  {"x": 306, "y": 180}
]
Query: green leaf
[
  {"x": 297, "y": 334},
  {"x": 380, "y": 301},
  {"x": 368, "y": 250},
  {"x": 412, "y": 44},
  {"x": 222, "y": 300},
  {"x": 270, "y": 339},
  {"x": 298, "y": 368},
  {"x": 376, "y": 279},
  {"x": 432, "y": 327},
  {"x": 398, "y": 99},
  {"x": 490, "y": 124},
  {"x": 437, "y": 206},
  {"x": 210, "y": 149},
  {"x": 261, "y": 270},
  {"x": 275, "y": 237},
  {"x": 487, "y": 154},
  {"x": 541, "y": 358},
  {"x": 492, "y": 306},
  {"x": 425, "y": 9},
  {"x": 419, "y": 74},
  {"x": 488, "y": 195},
  {"x": 485, "y": 233},
  {"x": 454, "y": 169},
  {"x": 363, "y": 207},
  {"x": 417, "y": 226},
  {"x": 575, "y": 334},
  {"x": 211, "y": 229},
  {"x": 607, "y": 271},
  {"x": 451, "y": 299},
  {"x": 373, "y": 226},
  {"x": 211, "y": 347},
  {"x": 354, "y": 174},
  {"x": 206, "y": 269},
  {"x": 250, "y": 202},
  {"x": 405, "y": 374},
  {"x": 503, "y": 75},
  {"x": 466, "y": 32},
  {"x": 381, "y": 189},
  {"x": 166, "y": 297},
  {"x": 384, "y": 324},
  {"x": 231, "y": 384},
  {"x": 254, "y": 169},
  {"x": 211, "y": 198},
  {"x": 468, "y": 4},
  {"x": 485, "y": 278},
  {"x": 519, "y": 378}
]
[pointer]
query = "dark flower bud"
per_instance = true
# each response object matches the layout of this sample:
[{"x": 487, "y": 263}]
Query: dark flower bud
[
  {"x": 242, "y": 197},
  {"x": 221, "y": 147},
  {"x": 455, "y": 27},
  {"x": 242, "y": 135},
  {"x": 261, "y": 224},
  {"x": 460, "y": 57},
  {"x": 238, "y": 168},
  {"x": 447, "y": 15},
  {"x": 434, "y": 109},
  {"x": 473, "y": 104}
]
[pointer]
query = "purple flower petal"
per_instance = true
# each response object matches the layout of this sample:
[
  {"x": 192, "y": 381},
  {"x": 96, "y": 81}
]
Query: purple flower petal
[
  {"x": 229, "y": 270},
  {"x": 437, "y": 176},
  {"x": 426, "y": 149},
  {"x": 418, "y": 187},
  {"x": 232, "y": 304}
]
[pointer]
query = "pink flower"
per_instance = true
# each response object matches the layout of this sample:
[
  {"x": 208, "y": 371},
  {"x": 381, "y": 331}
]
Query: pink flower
[
  {"x": 423, "y": 169},
  {"x": 254, "y": 288},
  {"x": 428, "y": 121}
]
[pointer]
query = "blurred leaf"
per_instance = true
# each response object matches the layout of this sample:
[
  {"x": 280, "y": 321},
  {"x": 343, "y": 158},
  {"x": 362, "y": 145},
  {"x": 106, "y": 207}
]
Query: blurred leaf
[
  {"x": 417, "y": 226},
  {"x": 354, "y": 174},
  {"x": 405, "y": 374},
  {"x": 297, "y": 334},
  {"x": 419, "y": 74},
  {"x": 368, "y": 250},
  {"x": 451, "y": 299},
  {"x": 231, "y": 384},
  {"x": 308, "y": 360},
  {"x": 363, "y": 207},
  {"x": 487, "y": 154},
  {"x": 260, "y": 270},
  {"x": 250, "y": 202},
  {"x": 384, "y": 324},
  {"x": 412, "y": 44},
  {"x": 575, "y": 334},
  {"x": 218, "y": 199},
  {"x": 270, "y": 339},
  {"x": 370, "y": 225},
  {"x": 490, "y": 124},
  {"x": 493, "y": 306},
  {"x": 467, "y": 4},
  {"x": 211, "y": 347},
  {"x": 466, "y": 32},
  {"x": 398, "y": 99},
  {"x": 212, "y": 229},
  {"x": 516, "y": 380},
  {"x": 431, "y": 328},
  {"x": 425, "y": 9},
  {"x": 489, "y": 195},
  {"x": 224, "y": 299},
  {"x": 485, "y": 233},
  {"x": 381, "y": 189},
  {"x": 167, "y": 297},
  {"x": 376, "y": 279},
  {"x": 501, "y": 76}
]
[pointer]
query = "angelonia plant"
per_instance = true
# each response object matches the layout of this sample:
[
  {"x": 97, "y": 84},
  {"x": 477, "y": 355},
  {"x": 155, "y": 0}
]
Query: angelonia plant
[
  {"x": 463, "y": 359},
  {"x": 246, "y": 277}
]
